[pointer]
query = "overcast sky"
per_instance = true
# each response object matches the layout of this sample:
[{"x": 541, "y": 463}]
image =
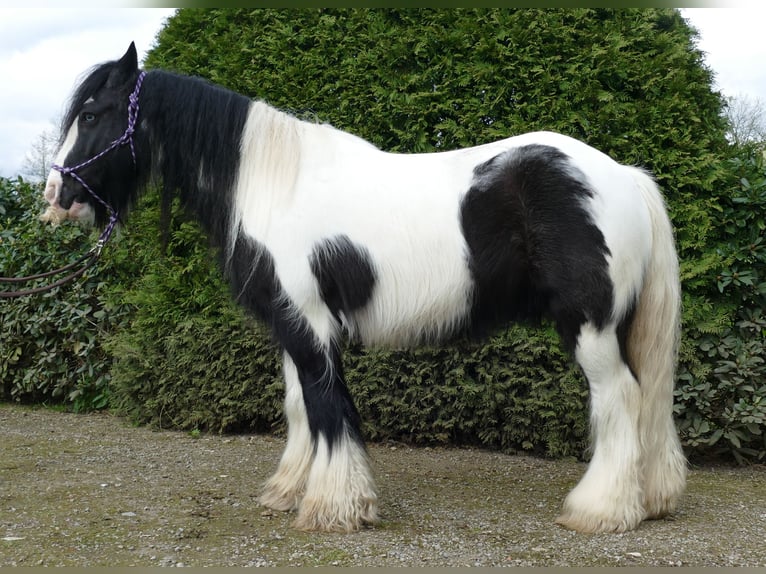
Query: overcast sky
[
  {"x": 42, "y": 54},
  {"x": 44, "y": 50}
]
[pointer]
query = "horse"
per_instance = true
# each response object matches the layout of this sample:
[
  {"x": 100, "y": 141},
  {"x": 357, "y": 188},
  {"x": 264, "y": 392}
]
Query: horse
[{"x": 326, "y": 238}]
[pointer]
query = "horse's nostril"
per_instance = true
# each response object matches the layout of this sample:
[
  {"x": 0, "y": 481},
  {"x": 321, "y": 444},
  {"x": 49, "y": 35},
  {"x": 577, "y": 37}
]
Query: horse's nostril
[{"x": 66, "y": 197}]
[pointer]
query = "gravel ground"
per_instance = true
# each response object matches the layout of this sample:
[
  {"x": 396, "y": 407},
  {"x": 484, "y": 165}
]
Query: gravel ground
[{"x": 88, "y": 490}]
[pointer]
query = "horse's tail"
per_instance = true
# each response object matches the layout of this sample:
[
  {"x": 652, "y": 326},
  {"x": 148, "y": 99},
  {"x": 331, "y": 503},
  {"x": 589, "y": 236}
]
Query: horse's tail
[{"x": 653, "y": 343}]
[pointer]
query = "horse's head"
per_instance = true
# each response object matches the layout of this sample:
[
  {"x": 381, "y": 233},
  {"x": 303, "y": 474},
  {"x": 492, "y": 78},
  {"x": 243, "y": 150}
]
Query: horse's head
[{"x": 95, "y": 170}]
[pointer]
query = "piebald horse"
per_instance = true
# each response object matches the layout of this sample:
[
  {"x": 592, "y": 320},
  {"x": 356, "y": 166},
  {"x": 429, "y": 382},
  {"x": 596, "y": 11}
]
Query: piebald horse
[{"x": 323, "y": 236}]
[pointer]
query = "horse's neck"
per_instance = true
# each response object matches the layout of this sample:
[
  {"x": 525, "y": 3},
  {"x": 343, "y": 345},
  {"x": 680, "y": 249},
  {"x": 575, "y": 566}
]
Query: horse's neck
[
  {"x": 195, "y": 139},
  {"x": 271, "y": 154},
  {"x": 235, "y": 161}
]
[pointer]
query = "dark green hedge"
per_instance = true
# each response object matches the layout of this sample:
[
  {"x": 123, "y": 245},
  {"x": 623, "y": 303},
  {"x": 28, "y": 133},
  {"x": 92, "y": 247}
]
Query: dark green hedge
[
  {"x": 629, "y": 82},
  {"x": 722, "y": 379}
]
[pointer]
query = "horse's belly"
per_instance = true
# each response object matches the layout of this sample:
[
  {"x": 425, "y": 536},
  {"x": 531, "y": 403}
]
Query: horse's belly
[{"x": 423, "y": 294}]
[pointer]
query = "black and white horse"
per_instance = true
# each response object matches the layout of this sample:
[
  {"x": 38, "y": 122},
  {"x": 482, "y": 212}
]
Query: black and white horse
[{"x": 324, "y": 236}]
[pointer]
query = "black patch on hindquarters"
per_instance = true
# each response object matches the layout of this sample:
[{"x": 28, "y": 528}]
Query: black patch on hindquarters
[{"x": 534, "y": 249}]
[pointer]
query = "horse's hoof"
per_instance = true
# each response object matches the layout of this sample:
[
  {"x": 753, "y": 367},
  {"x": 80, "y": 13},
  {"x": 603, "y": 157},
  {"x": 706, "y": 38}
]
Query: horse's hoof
[
  {"x": 594, "y": 523},
  {"x": 312, "y": 516}
]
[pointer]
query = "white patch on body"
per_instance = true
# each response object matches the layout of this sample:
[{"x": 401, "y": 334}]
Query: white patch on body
[{"x": 403, "y": 209}]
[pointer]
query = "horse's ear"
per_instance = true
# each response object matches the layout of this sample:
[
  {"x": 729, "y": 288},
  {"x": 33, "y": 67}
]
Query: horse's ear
[{"x": 125, "y": 69}]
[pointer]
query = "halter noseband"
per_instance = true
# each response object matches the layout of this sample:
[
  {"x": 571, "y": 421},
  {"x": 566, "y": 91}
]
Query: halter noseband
[{"x": 125, "y": 139}]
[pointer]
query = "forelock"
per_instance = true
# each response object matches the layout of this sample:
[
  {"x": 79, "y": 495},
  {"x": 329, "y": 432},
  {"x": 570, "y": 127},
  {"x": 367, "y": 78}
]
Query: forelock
[{"x": 95, "y": 79}]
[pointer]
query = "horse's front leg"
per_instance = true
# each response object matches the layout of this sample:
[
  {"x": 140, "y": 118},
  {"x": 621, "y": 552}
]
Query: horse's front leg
[
  {"x": 285, "y": 489},
  {"x": 340, "y": 490},
  {"x": 324, "y": 471}
]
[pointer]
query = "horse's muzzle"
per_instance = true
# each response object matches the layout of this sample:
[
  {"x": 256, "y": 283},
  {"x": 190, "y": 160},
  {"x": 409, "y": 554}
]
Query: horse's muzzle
[{"x": 64, "y": 202}]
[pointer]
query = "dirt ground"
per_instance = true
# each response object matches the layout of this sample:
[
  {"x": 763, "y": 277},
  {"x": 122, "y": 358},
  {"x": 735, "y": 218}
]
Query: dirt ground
[{"x": 91, "y": 490}]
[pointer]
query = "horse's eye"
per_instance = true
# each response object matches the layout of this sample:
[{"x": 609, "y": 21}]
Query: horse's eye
[{"x": 88, "y": 117}]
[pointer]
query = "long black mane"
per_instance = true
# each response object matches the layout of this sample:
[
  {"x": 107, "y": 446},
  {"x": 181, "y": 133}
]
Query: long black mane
[
  {"x": 194, "y": 131},
  {"x": 95, "y": 79}
]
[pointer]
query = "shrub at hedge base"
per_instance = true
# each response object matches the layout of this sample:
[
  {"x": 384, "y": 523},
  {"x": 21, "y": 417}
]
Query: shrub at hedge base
[
  {"x": 721, "y": 389},
  {"x": 51, "y": 345},
  {"x": 221, "y": 374}
]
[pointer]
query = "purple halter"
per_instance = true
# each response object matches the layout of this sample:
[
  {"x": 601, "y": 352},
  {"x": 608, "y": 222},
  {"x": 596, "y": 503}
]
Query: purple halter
[{"x": 125, "y": 139}]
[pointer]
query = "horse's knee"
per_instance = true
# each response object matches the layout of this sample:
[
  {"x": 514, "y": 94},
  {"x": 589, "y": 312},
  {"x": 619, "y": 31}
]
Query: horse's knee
[{"x": 615, "y": 395}]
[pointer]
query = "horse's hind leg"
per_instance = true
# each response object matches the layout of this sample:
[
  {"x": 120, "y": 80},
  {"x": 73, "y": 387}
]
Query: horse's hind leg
[
  {"x": 286, "y": 487},
  {"x": 608, "y": 497}
]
